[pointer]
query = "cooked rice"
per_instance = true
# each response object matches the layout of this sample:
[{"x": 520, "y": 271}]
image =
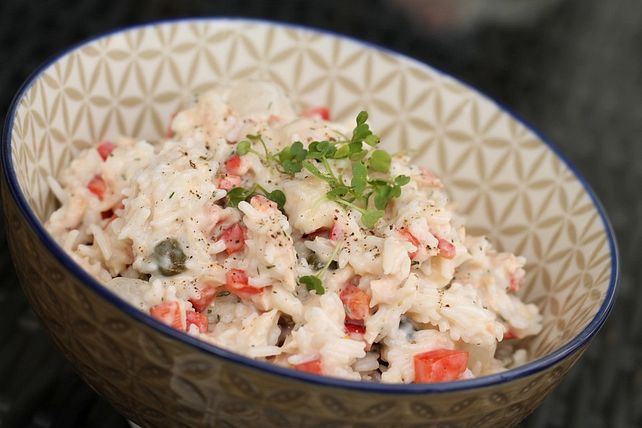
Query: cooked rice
[{"x": 420, "y": 299}]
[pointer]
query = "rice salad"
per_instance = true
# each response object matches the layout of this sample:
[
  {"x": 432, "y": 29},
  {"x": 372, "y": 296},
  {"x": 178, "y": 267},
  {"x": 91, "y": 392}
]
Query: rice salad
[{"x": 291, "y": 239}]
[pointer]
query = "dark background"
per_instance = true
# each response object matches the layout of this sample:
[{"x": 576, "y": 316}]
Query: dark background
[{"x": 573, "y": 70}]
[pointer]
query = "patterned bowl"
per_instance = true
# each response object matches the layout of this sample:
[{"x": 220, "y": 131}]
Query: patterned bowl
[{"x": 513, "y": 186}]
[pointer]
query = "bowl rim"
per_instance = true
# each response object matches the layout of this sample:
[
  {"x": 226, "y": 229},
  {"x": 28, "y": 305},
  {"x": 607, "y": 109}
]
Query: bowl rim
[{"x": 523, "y": 371}]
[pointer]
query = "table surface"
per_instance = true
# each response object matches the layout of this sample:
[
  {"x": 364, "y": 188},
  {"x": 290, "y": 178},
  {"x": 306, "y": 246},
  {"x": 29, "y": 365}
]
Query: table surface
[{"x": 574, "y": 71}]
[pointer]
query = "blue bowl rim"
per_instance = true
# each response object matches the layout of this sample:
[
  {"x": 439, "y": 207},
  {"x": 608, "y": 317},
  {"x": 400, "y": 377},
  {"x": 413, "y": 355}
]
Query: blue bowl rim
[{"x": 523, "y": 371}]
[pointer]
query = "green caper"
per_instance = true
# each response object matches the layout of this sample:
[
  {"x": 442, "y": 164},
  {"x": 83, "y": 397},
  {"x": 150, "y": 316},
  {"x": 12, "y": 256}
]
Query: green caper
[
  {"x": 313, "y": 261},
  {"x": 170, "y": 257}
]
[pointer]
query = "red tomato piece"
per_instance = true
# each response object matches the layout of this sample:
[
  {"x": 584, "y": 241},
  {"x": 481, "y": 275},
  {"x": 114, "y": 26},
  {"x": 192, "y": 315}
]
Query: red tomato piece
[
  {"x": 336, "y": 232},
  {"x": 169, "y": 313},
  {"x": 323, "y": 232},
  {"x": 97, "y": 186},
  {"x": 243, "y": 291},
  {"x": 322, "y": 112},
  {"x": 237, "y": 276},
  {"x": 197, "y": 319},
  {"x": 354, "y": 326},
  {"x": 234, "y": 238},
  {"x": 405, "y": 233},
  {"x": 232, "y": 164},
  {"x": 237, "y": 283},
  {"x": 441, "y": 365},
  {"x": 313, "y": 367},
  {"x": 105, "y": 148},
  {"x": 514, "y": 283},
  {"x": 107, "y": 214},
  {"x": 356, "y": 302},
  {"x": 446, "y": 248},
  {"x": 228, "y": 182},
  {"x": 207, "y": 297},
  {"x": 509, "y": 335}
]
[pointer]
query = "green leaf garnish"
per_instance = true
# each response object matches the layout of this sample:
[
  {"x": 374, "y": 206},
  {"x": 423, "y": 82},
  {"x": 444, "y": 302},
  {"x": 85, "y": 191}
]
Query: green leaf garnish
[
  {"x": 243, "y": 148},
  {"x": 371, "y": 140},
  {"x": 238, "y": 194},
  {"x": 312, "y": 283},
  {"x": 366, "y": 194},
  {"x": 402, "y": 180},
  {"x": 361, "y": 132},
  {"x": 359, "y": 179},
  {"x": 370, "y": 217},
  {"x": 338, "y": 192},
  {"x": 290, "y": 158},
  {"x": 380, "y": 161},
  {"x": 278, "y": 197},
  {"x": 342, "y": 152}
]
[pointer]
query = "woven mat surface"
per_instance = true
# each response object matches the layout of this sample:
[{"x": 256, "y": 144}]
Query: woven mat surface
[{"x": 574, "y": 72}]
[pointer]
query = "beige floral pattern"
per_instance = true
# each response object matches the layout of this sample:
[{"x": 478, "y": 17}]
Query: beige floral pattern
[{"x": 510, "y": 184}]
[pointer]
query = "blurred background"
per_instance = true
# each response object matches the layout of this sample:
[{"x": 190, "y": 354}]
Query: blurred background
[{"x": 571, "y": 68}]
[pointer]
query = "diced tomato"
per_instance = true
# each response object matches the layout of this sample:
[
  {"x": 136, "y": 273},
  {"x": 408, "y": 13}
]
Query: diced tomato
[
  {"x": 509, "y": 335},
  {"x": 228, "y": 182},
  {"x": 313, "y": 367},
  {"x": 208, "y": 294},
  {"x": 234, "y": 238},
  {"x": 97, "y": 186},
  {"x": 356, "y": 302},
  {"x": 273, "y": 120},
  {"x": 322, "y": 112},
  {"x": 110, "y": 214},
  {"x": 405, "y": 233},
  {"x": 107, "y": 214},
  {"x": 197, "y": 319},
  {"x": 243, "y": 291},
  {"x": 441, "y": 365},
  {"x": 169, "y": 133},
  {"x": 446, "y": 248},
  {"x": 323, "y": 231},
  {"x": 354, "y": 326},
  {"x": 336, "y": 232},
  {"x": 237, "y": 276},
  {"x": 169, "y": 313},
  {"x": 105, "y": 148},
  {"x": 237, "y": 283},
  {"x": 514, "y": 283},
  {"x": 232, "y": 164}
]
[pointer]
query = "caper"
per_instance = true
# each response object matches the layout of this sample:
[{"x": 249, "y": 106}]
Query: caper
[
  {"x": 169, "y": 257},
  {"x": 314, "y": 262}
]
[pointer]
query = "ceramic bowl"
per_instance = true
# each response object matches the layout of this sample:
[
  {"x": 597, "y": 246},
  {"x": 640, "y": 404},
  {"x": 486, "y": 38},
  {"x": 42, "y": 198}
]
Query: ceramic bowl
[{"x": 511, "y": 184}]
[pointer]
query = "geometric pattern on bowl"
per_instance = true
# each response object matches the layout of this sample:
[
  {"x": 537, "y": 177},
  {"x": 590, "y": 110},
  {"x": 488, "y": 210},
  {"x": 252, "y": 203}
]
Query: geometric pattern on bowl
[{"x": 510, "y": 184}]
